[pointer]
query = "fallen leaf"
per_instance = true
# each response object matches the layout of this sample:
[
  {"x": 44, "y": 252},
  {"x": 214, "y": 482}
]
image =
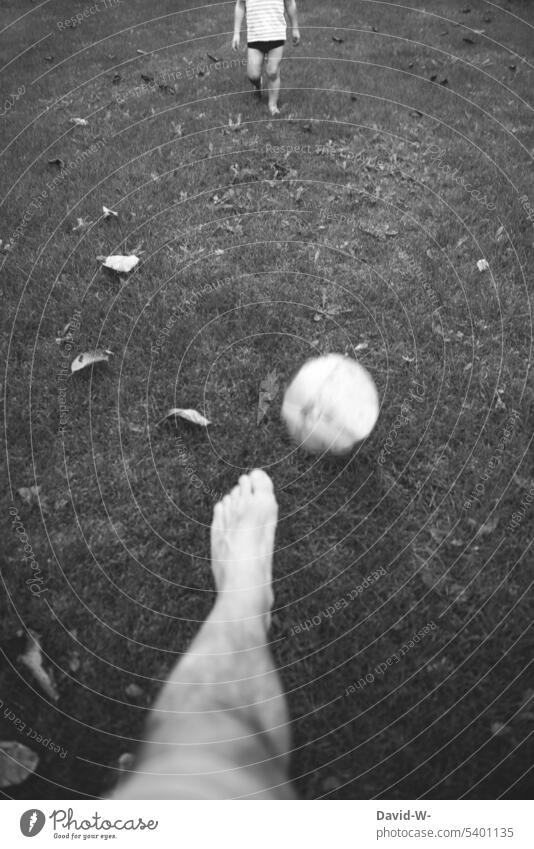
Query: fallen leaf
[
  {"x": 79, "y": 122},
  {"x": 57, "y": 161},
  {"x": 64, "y": 335},
  {"x": 337, "y": 39},
  {"x": 482, "y": 265},
  {"x": 189, "y": 415},
  {"x": 499, "y": 403},
  {"x": 109, "y": 213},
  {"x": 235, "y": 125},
  {"x": 361, "y": 346},
  {"x": 269, "y": 389},
  {"x": 99, "y": 355},
  {"x": 33, "y": 660},
  {"x": 120, "y": 264},
  {"x": 29, "y": 494},
  {"x": 17, "y": 762},
  {"x": 489, "y": 526},
  {"x": 213, "y": 58},
  {"x": 81, "y": 224}
]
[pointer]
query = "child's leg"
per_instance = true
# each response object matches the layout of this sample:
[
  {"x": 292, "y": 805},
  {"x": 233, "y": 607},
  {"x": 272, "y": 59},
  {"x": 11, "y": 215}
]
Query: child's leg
[
  {"x": 274, "y": 58},
  {"x": 254, "y": 66},
  {"x": 219, "y": 729}
]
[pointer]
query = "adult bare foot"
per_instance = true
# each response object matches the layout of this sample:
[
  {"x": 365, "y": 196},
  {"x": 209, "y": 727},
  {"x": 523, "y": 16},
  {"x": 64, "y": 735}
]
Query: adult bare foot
[
  {"x": 242, "y": 543},
  {"x": 273, "y": 109}
]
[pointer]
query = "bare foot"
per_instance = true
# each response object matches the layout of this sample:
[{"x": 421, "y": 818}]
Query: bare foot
[
  {"x": 242, "y": 543},
  {"x": 273, "y": 109}
]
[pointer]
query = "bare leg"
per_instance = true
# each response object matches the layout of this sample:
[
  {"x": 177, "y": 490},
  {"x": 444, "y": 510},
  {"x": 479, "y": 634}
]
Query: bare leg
[
  {"x": 254, "y": 68},
  {"x": 274, "y": 59},
  {"x": 219, "y": 728}
]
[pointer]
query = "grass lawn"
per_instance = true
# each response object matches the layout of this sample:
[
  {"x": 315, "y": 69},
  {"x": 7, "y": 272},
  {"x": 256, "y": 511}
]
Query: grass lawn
[{"x": 353, "y": 222}]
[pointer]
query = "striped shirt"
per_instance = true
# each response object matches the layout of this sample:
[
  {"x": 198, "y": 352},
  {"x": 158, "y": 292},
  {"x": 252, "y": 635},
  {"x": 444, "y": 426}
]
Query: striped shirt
[{"x": 265, "y": 20}]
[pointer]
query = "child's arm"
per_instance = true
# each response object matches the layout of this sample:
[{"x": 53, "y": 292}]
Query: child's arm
[
  {"x": 239, "y": 14},
  {"x": 291, "y": 9}
]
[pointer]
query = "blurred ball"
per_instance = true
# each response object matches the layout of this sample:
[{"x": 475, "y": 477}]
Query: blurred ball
[{"x": 330, "y": 405}]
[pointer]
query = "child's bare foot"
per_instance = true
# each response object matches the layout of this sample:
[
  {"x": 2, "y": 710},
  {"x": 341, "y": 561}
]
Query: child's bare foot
[{"x": 242, "y": 543}]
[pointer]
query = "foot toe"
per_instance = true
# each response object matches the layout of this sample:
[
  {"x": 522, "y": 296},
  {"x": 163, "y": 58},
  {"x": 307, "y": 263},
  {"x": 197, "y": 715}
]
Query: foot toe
[
  {"x": 226, "y": 506},
  {"x": 260, "y": 481},
  {"x": 245, "y": 485}
]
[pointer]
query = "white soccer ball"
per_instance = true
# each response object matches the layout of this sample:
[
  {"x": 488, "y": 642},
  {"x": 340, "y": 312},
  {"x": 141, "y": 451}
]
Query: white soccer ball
[{"x": 330, "y": 405}]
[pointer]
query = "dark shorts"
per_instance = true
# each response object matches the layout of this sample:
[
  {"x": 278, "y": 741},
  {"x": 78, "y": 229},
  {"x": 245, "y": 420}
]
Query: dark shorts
[{"x": 265, "y": 46}]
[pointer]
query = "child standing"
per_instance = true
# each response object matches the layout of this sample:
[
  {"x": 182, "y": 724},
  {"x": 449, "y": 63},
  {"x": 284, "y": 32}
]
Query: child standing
[{"x": 266, "y": 36}]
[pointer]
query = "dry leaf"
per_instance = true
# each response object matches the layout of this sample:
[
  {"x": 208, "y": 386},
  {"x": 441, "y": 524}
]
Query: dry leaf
[
  {"x": 81, "y": 224},
  {"x": 489, "y": 526},
  {"x": 269, "y": 389},
  {"x": 108, "y": 213},
  {"x": 99, "y": 355},
  {"x": 17, "y": 762},
  {"x": 33, "y": 660},
  {"x": 29, "y": 494},
  {"x": 189, "y": 415},
  {"x": 482, "y": 265},
  {"x": 79, "y": 122},
  {"x": 120, "y": 264},
  {"x": 64, "y": 335}
]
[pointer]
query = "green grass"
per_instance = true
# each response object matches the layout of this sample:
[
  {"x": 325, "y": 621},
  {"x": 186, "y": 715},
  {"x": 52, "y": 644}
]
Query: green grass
[{"x": 121, "y": 533}]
